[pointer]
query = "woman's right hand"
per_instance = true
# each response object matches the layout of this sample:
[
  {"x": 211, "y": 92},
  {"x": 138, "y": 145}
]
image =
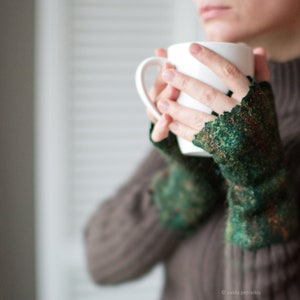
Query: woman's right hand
[{"x": 159, "y": 91}]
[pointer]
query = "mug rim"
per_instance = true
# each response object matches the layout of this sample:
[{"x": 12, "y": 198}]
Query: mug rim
[{"x": 214, "y": 43}]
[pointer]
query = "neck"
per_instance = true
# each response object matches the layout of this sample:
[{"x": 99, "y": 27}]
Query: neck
[{"x": 279, "y": 47}]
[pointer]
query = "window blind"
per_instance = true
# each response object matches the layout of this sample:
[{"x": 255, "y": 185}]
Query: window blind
[
  {"x": 97, "y": 120},
  {"x": 109, "y": 125}
]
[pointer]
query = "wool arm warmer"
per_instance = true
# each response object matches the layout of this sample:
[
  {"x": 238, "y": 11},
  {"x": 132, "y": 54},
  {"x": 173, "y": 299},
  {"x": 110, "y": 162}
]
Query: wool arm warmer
[
  {"x": 186, "y": 192},
  {"x": 246, "y": 145},
  {"x": 272, "y": 272}
]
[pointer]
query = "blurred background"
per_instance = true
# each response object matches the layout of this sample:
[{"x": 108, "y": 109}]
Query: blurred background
[{"x": 72, "y": 129}]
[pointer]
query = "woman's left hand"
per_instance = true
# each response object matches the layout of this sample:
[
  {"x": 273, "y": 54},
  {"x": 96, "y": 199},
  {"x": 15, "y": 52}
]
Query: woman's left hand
[{"x": 186, "y": 121}]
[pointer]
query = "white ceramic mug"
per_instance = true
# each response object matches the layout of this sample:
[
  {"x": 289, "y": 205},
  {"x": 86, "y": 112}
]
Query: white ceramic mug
[{"x": 179, "y": 56}]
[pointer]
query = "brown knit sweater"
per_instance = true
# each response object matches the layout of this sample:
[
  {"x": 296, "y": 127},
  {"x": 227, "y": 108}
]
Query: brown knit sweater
[{"x": 124, "y": 238}]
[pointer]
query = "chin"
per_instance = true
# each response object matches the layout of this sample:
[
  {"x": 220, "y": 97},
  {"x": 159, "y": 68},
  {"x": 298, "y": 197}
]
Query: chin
[{"x": 222, "y": 34}]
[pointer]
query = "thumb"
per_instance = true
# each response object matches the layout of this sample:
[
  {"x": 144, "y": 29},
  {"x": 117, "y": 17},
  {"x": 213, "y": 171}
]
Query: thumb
[{"x": 261, "y": 68}]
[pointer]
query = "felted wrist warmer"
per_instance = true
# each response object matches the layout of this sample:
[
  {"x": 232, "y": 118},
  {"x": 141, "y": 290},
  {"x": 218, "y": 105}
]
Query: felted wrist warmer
[
  {"x": 187, "y": 190},
  {"x": 247, "y": 147}
]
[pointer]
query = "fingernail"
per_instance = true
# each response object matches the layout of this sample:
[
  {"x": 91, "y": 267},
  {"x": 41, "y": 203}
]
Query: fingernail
[
  {"x": 163, "y": 106},
  {"x": 168, "y": 75},
  {"x": 195, "y": 48}
]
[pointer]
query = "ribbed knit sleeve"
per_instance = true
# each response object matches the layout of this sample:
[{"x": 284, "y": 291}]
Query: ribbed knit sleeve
[
  {"x": 270, "y": 273},
  {"x": 124, "y": 238}
]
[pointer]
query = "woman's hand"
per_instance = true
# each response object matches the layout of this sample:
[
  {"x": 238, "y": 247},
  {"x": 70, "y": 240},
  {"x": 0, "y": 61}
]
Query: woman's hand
[
  {"x": 188, "y": 122},
  {"x": 159, "y": 91},
  {"x": 245, "y": 143}
]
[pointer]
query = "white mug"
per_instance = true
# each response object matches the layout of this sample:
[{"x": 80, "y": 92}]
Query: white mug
[{"x": 178, "y": 55}]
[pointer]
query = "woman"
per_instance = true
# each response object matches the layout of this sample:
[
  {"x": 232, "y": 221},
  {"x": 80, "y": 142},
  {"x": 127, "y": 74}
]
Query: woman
[{"x": 226, "y": 226}]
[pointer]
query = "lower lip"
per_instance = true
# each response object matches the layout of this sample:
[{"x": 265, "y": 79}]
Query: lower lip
[{"x": 212, "y": 13}]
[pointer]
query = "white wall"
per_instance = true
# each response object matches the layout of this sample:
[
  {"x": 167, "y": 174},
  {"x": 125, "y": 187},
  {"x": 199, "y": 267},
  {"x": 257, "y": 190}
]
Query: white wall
[{"x": 16, "y": 150}]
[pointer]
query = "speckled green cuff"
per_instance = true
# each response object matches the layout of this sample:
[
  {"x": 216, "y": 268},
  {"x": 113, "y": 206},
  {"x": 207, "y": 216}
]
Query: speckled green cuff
[
  {"x": 187, "y": 190},
  {"x": 246, "y": 144}
]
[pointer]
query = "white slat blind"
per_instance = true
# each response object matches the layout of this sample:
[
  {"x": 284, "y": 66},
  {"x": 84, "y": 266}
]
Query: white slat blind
[
  {"x": 109, "y": 126},
  {"x": 91, "y": 126}
]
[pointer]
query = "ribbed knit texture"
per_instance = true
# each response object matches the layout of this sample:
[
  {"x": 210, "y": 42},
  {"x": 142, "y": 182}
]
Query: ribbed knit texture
[{"x": 124, "y": 238}]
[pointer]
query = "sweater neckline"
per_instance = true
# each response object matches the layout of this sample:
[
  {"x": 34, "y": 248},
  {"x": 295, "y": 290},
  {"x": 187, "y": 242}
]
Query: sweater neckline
[
  {"x": 285, "y": 81},
  {"x": 285, "y": 78},
  {"x": 293, "y": 61}
]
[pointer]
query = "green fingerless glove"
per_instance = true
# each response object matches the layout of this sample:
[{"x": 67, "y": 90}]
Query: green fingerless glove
[
  {"x": 247, "y": 147},
  {"x": 187, "y": 190}
]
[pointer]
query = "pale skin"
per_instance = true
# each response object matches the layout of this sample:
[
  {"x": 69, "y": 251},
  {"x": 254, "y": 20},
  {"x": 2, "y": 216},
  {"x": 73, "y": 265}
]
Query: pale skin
[{"x": 279, "y": 34}]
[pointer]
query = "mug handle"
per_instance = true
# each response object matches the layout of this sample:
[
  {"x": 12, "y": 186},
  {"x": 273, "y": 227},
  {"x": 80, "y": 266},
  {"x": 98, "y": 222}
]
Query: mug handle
[{"x": 141, "y": 85}]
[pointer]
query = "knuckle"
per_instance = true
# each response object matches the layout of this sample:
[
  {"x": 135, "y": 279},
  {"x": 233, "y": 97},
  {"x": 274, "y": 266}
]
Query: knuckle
[
  {"x": 209, "y": 96},
  {"x": 183, "y": 82},
  {"x": 197, "y": 121},
  {"x": 230, "y": 70}
]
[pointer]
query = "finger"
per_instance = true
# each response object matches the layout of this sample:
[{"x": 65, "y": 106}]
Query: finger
[
  {"x": 261, "y": 67},
  {"x": 161, "y": 52},
  {"x": 185, "y": 115},
  {"x": 183, "y": 131},
  {"x": 161, "y": 129},
  {"x": 159, "y": 84},
  {"x": 200, "y": 91},
  {"x": 225, "y": 70},
  {"x": 172, "y": 93}
]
